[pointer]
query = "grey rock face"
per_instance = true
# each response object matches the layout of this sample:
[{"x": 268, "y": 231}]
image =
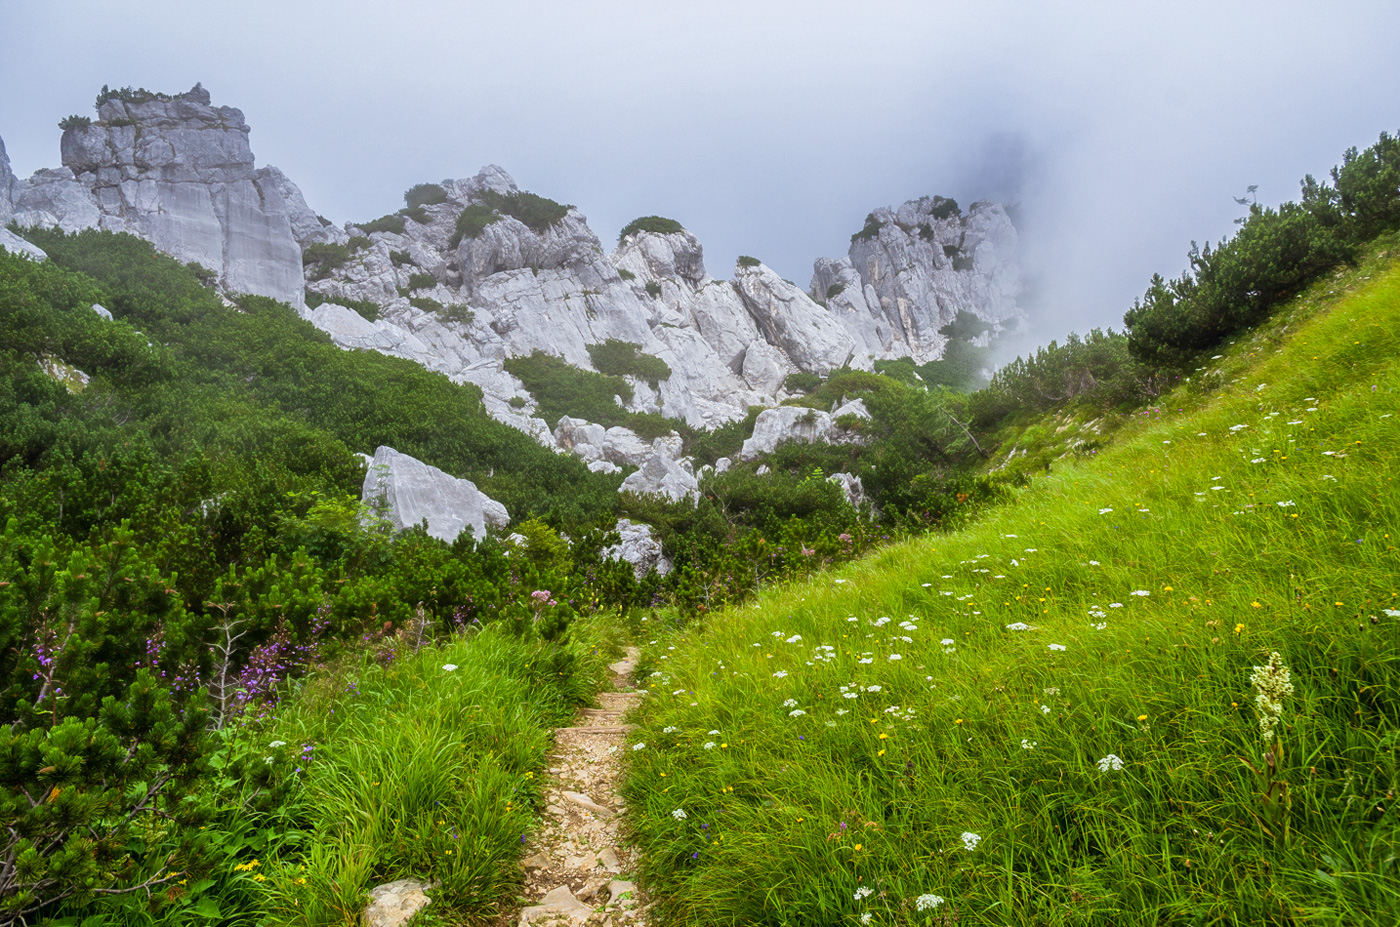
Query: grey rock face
[
  {"x": 53, "y": 198},
  {"x": 786, "y": 423},
  {"x": 12, "y": 243},
  {"x": 179, "y": 173},
  {"x": 411, "y": 491},
  {"x": 663, "y": 477},
  {"x": 7, "y": 188},
  {"x": 903, "y": 283},
  {"x": 640, "y": 548},
  {"x": 102, "y": 311},
  {"x": 791, "y": 321}
]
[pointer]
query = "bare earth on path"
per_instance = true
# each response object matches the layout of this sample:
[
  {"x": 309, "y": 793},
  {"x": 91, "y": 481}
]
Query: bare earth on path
[{"x": 576, "y": 868}]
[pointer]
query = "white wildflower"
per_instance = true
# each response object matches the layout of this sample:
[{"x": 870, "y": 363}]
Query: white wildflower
[
  {"x": 679, "y": 814},
  {"x": 639, "y": 746},
  {"x": 1056, "y": 646},
  {"x": 796, "y": 713},
  {"x": 1110, "y": 763},
  {"x": 1028, "y": 744},
  {"x": 780, "y": 674},
  {"x": 1018, "y": 626},
  {"x": 790, "y": 703},
  {"x": 862, "y": 892},
  {"x": 669, "y": 729},
  {"x": 895, "y": 656},
  {"x": 708, "y": 745},
  {"x": 1104, "y": 511},
  {"x": 1271, "y": 686},
  {"x": 927, "y": 902},
  {"x": 1141, "y": 592},
  {"x": 970, "y": 840},
  {"x": 277, "y": 743},
  {"x": 449, "y": 666}
]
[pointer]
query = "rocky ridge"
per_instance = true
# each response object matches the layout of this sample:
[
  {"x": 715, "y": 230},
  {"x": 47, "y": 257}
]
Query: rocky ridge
[{"x": 478, "y": 271}]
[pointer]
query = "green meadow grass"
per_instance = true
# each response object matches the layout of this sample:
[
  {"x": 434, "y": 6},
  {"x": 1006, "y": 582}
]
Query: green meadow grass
[
  {"x": 917, "y": 738},
  {"x": 422, "y": 768}
]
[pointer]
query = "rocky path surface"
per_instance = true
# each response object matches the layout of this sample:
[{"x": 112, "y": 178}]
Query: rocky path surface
[{"x": 578, "y": 867}]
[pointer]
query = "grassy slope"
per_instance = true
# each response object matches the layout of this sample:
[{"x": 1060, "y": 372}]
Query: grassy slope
[{"x": 1165, "y": 568}]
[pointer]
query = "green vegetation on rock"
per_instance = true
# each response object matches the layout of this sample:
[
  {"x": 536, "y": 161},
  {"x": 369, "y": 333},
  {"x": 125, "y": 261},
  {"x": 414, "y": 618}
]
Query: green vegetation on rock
[{"x": 660, "y": 225}]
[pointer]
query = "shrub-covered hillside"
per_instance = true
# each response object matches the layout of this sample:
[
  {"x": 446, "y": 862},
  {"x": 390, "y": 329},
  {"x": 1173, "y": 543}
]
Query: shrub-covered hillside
[{"x": 1160, "y": 686}]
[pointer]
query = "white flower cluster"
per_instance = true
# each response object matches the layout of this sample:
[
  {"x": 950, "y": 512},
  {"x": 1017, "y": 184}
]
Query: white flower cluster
[
  {"x": 970, "y": 840},
  {"x": 1272, "y": 685},
  {"x": 928, "y": 902},
  {"x": 679, "y": 814},
  {"x": 1110, "y": 763}
]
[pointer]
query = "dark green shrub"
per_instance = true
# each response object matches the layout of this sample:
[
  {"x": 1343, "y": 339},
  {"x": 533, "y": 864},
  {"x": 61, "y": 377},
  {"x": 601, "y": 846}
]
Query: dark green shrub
[
  {"x": 944, "y": 208},
  {"x": 653, "y": 289},
  {"x": 626, "y": 274},
  {"x": 472, "y": 222},
  {"x": 128, "y": 95},
  {"x": 724, "y": 440},
  {"x": 424, "y": 194},
  {"x": 835, "y": 290},
  {"x": 418, "y": 214},
  {"x": 801, "y": 382},
  {"x": 951, "y": 251},
  {"x": 323, "y": 257},
  {"x": 537, "y": 212},
  {"x": 624, "y": 359},
  {"x": 562, "y": 389},
  {"x": 926, "y": 232},
  {"x": 871, "y": 229},
  {"x": 358, "y": 243},
  {"x": 964, "y": 262},
  {"x": 427, "y": 304},
  {"x": 205, "y": 275},
  {"x": 364, "y": 307},
  {"x": 400, "y": 258},
  {"x": 422, "y": 280},
  {"x": 390, "y": 223},
  {"x": 747, "y": 261},
  {"x": 74, "y": 122},
  {"x": 660, "y": 225}
]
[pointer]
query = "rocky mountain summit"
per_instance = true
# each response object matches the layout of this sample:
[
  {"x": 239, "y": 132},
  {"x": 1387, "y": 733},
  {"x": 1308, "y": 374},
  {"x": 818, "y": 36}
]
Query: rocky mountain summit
[
  {"x": 476, "y": 272},
  {"x": 178, "y": 172}
]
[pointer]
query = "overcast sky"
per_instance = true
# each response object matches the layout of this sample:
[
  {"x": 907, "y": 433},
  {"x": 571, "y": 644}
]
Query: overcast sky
[{"x": 766, "y": 128}]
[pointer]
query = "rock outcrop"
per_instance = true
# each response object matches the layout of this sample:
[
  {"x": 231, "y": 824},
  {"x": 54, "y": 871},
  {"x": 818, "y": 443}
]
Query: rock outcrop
[
  {"x": 409, "y": 492},
  {"x": 639, "y": 547},
  {"x": 786, "y": 423},
  {"x": 662, "y": 476},
  {"x": 12, "y": 243},
  {"x": 910, "y": 271},
  {"x": 7, "y": 188},
  {"x": 178, "y": 172}
]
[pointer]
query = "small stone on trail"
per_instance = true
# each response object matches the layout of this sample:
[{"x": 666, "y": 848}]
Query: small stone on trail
[
  {"x": 538, "y": 861},
  {"x": 559, "y": 901},
  {"x": 588, "y": 804},
  {"x": 608, "y": 859},
  {"x": 619, "y": 887}
]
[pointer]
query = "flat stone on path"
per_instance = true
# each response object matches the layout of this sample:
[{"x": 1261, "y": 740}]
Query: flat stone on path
[
  {"x": 588, "y": 804},
  {"x": 560, "y": 901}
]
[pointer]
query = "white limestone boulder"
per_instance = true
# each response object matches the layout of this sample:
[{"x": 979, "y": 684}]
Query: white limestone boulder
[
  {"x": 409, "y": 492},
  {"x": 786, "y": 423},
  {"x": 639, "y": 547},
  {"x": 12, "y": 243},
  {"x": 661, "y": 476}
]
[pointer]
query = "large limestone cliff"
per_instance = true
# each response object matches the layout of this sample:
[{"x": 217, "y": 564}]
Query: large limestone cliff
[{"x": 178, "y": 172}]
